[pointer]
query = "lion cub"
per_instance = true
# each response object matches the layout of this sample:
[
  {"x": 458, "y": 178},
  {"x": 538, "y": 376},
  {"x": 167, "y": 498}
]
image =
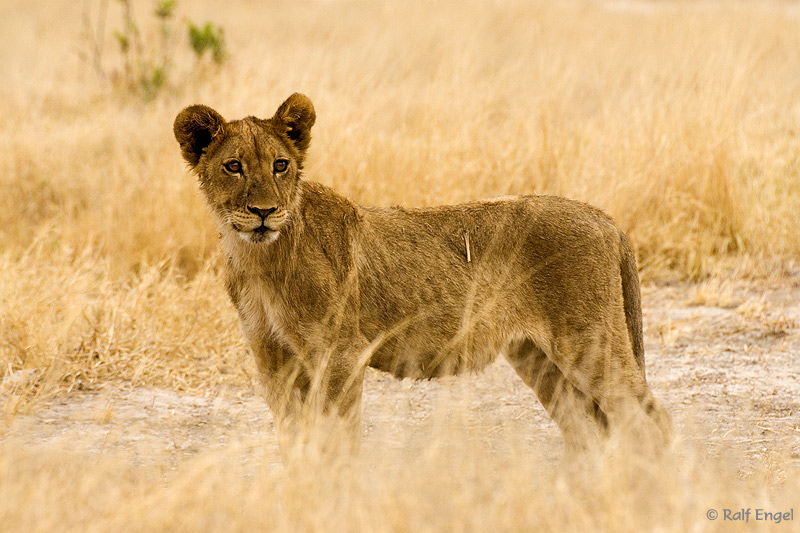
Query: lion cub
[{"x": 325, "y": 287}]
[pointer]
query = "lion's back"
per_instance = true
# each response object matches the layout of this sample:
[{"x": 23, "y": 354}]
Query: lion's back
[{"x": 452, "y": 284}]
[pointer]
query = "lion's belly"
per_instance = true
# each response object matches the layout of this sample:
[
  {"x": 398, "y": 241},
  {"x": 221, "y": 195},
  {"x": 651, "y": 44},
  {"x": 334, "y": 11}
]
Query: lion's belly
[{"x": 425, "y": 356}]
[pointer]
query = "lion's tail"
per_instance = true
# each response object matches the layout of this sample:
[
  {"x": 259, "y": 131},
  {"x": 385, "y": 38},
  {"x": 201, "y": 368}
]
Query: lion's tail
[{"x": 632, "y": 299}]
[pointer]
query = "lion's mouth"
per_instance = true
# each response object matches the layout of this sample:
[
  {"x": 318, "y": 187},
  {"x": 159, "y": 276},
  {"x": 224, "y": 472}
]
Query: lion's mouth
[{"x": 261, "y": 234}]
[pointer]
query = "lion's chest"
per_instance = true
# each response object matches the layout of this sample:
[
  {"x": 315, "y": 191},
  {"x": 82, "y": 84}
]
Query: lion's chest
[
  {"x": 261, "y": 311},
  {"x": 288, "y": 309}
]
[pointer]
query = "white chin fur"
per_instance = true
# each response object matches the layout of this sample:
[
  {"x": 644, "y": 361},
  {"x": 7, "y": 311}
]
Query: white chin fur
[{"x": 259, "y": 238}]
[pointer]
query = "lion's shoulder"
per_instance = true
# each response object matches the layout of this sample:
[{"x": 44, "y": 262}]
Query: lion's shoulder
[
  {"x": 330, "y": 225},
  {"x": 322, "y": 205}
]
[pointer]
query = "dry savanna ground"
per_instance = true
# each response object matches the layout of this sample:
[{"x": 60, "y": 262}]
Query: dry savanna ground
[{"x": 126, "y": 391}]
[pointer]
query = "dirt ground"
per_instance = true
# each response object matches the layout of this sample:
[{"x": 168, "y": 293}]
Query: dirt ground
[{"x": 723, "y": 357}]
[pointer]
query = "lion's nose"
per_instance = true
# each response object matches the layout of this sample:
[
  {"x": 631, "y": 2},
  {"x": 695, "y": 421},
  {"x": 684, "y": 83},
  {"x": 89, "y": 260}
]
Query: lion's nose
[{"x": 261, "y": 211}]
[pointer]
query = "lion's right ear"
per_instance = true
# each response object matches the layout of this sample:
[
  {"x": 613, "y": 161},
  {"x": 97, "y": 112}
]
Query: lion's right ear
[{"x": 195, "y": 127}]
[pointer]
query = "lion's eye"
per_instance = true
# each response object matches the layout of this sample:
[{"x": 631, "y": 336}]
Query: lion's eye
[
  {"x": 280, "y": 165},
  {"x": 233, "y": 166}
]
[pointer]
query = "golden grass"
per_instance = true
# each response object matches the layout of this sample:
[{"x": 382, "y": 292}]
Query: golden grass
[
  {"x": 679, "y": 119},
  {"x": 68, "y": 325},
  {"x": 463, "y": 480}
]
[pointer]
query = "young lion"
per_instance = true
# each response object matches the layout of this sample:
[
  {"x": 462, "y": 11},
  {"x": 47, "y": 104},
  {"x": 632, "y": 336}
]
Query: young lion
[{"x": 325, "y": 287}]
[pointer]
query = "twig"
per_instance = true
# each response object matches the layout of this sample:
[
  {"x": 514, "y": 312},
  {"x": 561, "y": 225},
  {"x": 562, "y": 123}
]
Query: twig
[
  {"x": 94, "y": 34},
  {"x": 100, "y": 31}
]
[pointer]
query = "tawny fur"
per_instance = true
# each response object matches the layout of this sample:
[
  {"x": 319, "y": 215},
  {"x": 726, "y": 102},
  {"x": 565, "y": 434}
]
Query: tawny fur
[{"x": 325, "y": 287}]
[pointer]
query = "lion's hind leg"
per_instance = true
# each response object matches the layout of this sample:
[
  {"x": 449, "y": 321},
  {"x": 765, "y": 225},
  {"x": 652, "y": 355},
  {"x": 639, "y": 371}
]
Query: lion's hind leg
[
  {"x": 599, "y": 362},
  {"x": 579, "y": 417}
]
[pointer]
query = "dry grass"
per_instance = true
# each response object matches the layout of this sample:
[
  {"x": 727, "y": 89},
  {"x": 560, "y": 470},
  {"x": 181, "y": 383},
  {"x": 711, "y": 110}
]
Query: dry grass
[
  {"x": 68, "y": 325},
  {"x": 679, "y": 119},
  {"x": 460, "y": 481}
]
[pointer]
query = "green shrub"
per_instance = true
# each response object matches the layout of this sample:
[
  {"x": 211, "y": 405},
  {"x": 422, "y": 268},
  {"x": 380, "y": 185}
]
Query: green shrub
[
  {"x": 145, "y": 64},
  {"x": 211, "y": 38}
]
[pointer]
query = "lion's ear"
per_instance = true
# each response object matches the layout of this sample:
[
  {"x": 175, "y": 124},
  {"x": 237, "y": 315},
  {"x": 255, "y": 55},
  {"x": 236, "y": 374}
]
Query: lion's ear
[
  {"x": 195, "y": 127},
  {"x": 297, "y": 115}
]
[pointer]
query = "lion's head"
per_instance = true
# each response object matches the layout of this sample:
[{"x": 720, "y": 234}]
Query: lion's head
[{"x": 248, "y": 168}]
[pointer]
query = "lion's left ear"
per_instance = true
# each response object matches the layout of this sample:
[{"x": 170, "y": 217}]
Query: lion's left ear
[{"x": 297, "y": 115}]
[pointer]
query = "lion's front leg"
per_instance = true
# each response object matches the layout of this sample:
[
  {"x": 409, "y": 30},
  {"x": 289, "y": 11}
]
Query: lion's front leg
[
  {"x": 314, "y": 397},
  {"x": 287, "y": 383},
  {"x": 334, "y": 397}
]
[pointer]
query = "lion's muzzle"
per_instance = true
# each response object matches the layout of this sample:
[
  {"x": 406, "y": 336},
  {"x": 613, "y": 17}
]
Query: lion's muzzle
[{"x": 257, "y": 224}]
